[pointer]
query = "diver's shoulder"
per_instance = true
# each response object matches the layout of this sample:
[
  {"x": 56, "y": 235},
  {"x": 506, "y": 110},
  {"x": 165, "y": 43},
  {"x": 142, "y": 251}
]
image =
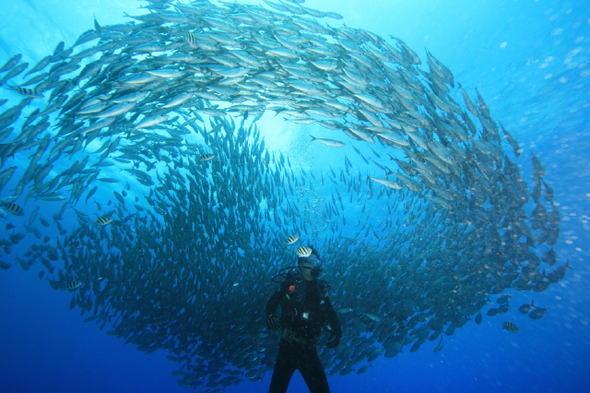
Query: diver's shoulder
[{"x": 323, "y": 287}]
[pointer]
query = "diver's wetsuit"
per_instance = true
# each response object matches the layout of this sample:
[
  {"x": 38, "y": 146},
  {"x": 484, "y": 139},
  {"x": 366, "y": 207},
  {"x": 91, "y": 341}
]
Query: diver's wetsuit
[{"x": 305, "y": 309}]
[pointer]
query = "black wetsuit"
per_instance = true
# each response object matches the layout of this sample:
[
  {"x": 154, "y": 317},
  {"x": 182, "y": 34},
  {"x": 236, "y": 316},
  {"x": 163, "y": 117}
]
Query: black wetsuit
[{"x": 305, "y": 309}]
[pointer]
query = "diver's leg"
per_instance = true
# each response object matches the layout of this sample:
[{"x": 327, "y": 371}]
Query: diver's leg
[
  {"x": 284, "y": 369},
  {"x": 312, "y": 371}
]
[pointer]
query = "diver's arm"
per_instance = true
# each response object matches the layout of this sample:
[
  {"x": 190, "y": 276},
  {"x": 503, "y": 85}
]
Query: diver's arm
[
  {"x": 274, "y": 301},
  {"x": 272, "y": 321},
  {"x": 332, "y": 318},
  {"x": 277, "y": 297}
]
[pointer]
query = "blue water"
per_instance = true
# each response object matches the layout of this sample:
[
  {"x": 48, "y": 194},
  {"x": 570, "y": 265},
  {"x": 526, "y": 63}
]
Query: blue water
[{"x": 528, "y": 59}]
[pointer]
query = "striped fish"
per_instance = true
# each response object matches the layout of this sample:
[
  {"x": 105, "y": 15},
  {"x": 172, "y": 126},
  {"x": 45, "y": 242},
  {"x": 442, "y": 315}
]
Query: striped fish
[
  {"x": 74, "y": 285},
  {"x": 510, "y": 327},
  {"x": 25, "y": 91},
  {"x": 104, "y": 221},
  {"x": 191, "y": 39},
  {"x": 304, "y": 252},
  {"x": 292, "y": 239},
  {"x": 207, "y": 157},
  {"x": 14, "y": 209}
]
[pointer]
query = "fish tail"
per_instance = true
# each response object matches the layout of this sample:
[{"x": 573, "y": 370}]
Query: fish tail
[
  {"x": 313, "y": 138},
  {"x": 567, "y": 265}
]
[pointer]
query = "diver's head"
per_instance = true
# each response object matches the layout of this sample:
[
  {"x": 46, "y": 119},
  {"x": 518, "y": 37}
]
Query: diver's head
[{"x": 310, "y": 267}]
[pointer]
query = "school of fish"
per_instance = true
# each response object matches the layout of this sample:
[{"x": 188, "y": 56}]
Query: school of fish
[{"x": 143, "y": 145}]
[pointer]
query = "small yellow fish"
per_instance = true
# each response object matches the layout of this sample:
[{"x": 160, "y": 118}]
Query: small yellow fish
[
  {"x": 510, "y": 327},
  {"x": 104, "y": 221},
  {"x": 14, "y": 209},
  {"x": 292, "y": 239},
  {"x": 304, "y": 252},
  {"x": 192, "y": 40},
  {"x": 25, "y": 91},
  {"x": 207, "y": 157},
  {"x": 74, "y": 285}
]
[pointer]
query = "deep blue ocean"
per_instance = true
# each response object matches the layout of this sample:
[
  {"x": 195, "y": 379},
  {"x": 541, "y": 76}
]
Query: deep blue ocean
[{"x": 529, "y": 59}]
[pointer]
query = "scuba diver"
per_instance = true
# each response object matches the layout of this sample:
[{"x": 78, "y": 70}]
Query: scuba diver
[{"x": 305, "y": 309}]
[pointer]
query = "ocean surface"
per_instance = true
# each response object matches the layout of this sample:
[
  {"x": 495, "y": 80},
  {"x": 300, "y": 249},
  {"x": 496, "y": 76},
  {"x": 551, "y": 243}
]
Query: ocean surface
[{"x": 530, "y": 60}]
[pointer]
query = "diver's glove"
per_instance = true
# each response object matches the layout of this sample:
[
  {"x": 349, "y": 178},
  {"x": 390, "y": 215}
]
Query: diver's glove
[
  {"x": 272, "y": 322},
  {"x": 334, "y": 340}
]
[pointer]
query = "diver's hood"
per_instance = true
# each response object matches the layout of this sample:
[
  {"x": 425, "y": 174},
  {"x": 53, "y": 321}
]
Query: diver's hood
[{"x": 312, "y": 262}]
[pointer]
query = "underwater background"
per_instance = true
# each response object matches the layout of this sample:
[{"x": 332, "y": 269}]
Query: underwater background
[{"x": 530, "y": 62}]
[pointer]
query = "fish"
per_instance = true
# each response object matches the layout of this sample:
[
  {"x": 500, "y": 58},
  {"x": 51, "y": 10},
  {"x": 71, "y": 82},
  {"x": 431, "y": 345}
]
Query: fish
[
  {"x": 503, "y": 299},
  {"x": 206, "y": 157},
  {"x": 503, "y": 309},
  {"x": 108, "y": 180},
  {"x": 191, "y": 39},
  {"x": 14, "y": 72},
  {"x": 166, "y": 73},
  {"x": 235, "y": 72},
  {"x": 119, "y": 197},
  {"x": 73, "y": 285},
  {"x": 116, "y": 110},
  {"x": 525, "y": 308},
  {"x": 439, "y": 345},
  {"x": 10, "y": 63},
  {"x": 549, "y": 193},
  {"x": 478, "y": 318},
  {"x": 537, "y": 313},
  {"x": 14, "y": 209},
  {"x": 512, "y": 141},
  {"x": 292, "y": 239},
  {"x": 363, "y": 369},
  {"x": 304, "y": 251},
  {"x": 549, "y": 257},
  {"x": 178, "y": 100},
  {"x": 387, "y": 183},
  {"x": 373, "y": 317},
  {"x": 97, "y": 28},
  {"x": 4, "y": 265},
  {"x": 25, "y": 91},
  {"x": 150, "y": 122},
  {"x": 509, "y": 326},
  {"x": 103, "y": 221},
  {"x": 328, "y": 142},
  {"x": 154, "y": 94}
]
